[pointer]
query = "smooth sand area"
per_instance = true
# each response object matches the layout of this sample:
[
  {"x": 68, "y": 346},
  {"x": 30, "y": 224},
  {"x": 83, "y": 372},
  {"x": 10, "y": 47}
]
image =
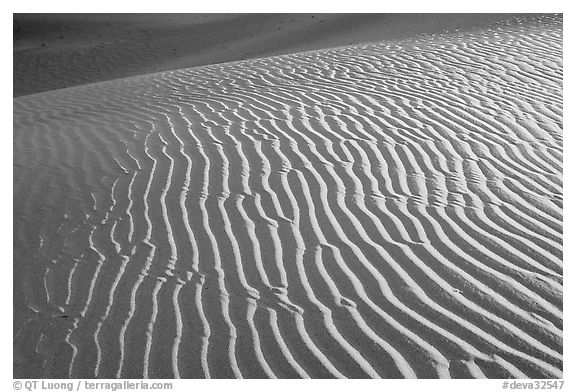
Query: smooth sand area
[
  {"x": 382, "y": 210},
  {"x": 57, "y": 51}
]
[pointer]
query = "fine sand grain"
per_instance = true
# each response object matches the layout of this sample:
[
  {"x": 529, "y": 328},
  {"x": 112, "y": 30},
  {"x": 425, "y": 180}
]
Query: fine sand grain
[{"x": 385, "y": 210}]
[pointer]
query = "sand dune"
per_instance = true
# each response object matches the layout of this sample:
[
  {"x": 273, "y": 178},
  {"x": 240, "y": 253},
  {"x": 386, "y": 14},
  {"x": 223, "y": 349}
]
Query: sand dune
[
  {"x": 53, "y": 51},
  {"x": 385, "y": 210}
]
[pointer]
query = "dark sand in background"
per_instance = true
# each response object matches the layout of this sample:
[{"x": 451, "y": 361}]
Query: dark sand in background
[{"x": 56, "y": 51}]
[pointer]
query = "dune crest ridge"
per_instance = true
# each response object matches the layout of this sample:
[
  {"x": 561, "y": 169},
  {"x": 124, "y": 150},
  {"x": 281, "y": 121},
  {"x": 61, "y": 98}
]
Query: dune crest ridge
[{"x": 391, "y": 210}]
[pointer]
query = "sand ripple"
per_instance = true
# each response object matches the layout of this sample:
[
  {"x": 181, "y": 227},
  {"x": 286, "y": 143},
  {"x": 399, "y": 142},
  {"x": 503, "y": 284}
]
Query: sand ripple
[{"x": 388, "y": 210}]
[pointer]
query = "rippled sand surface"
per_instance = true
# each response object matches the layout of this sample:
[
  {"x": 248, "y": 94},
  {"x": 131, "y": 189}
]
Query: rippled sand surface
[{"x": 387, "y": 210}]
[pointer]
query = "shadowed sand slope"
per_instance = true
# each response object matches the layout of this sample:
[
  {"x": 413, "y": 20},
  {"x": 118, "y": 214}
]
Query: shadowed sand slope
[
  {"x": 54, "y": 51},
  {"x": 386, "y": 210}
]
